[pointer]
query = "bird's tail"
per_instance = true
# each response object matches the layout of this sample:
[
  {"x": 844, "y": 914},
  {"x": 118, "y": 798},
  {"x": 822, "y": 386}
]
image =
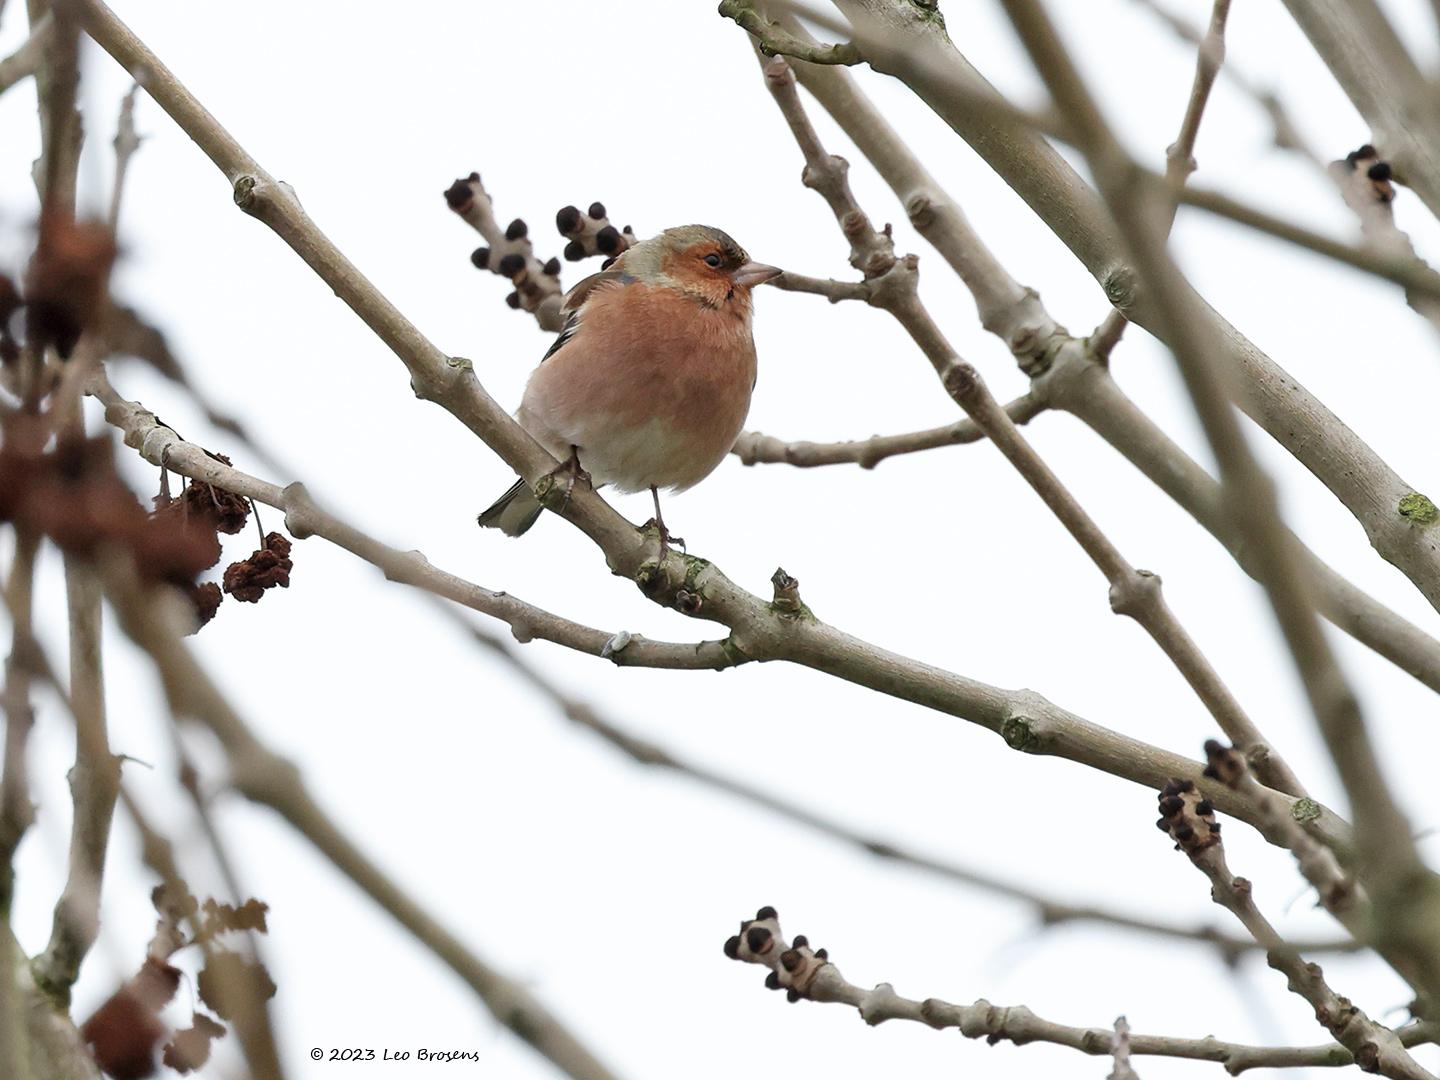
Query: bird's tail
[{"x": 513, "y": 512}]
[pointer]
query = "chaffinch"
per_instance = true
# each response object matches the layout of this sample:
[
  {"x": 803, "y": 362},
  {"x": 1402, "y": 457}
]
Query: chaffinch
[{"x": 648, "y": 384}]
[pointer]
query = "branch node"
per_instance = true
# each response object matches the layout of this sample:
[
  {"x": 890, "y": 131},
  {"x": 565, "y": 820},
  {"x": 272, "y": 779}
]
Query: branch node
[
  {"x": 612, "y": 649},
  {"x": 1121, "y": 286},
  {"x": 962, "y": 381},
  {"x": 787, "y": 602},
  {"x": 1134, "y": 593}
]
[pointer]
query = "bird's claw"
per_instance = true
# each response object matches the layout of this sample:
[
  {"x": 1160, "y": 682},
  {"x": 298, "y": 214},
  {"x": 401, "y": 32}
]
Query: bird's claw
[
  {"x": 666, "y": 540},
  {"x": 570, "y": 471}
]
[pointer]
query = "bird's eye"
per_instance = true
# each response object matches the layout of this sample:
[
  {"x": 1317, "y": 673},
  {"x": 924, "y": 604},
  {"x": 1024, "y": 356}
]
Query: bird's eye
[{"x": 712, "y": 259}]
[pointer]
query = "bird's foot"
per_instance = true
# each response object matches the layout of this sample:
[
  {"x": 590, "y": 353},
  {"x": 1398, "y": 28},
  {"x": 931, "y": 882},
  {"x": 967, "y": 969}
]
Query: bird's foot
[
  {"x": 570, "y": 473},
  {"x": 666, "y": 540}
]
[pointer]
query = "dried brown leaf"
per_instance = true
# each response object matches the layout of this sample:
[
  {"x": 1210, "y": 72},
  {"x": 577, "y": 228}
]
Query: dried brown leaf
[{"x": 189, "y": 1048}]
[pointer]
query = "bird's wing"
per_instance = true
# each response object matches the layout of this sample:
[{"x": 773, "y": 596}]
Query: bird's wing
[{"x": 575, "y": 303}]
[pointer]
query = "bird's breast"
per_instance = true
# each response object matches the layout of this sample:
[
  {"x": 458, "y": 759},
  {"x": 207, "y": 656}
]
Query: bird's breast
[{"x": 654, "y": 388}]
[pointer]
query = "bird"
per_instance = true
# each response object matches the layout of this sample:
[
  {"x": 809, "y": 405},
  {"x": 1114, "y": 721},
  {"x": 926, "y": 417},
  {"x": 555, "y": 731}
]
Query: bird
[{"x": 649, "y": 381}]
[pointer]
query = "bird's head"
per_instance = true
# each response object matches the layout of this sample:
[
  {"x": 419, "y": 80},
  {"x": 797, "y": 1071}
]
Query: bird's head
[{"x": 698, "y": 260}]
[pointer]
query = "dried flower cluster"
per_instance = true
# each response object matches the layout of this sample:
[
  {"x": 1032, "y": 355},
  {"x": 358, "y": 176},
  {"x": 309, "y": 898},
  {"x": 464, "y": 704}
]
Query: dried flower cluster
[
  {"x": 266, "y": 568},
  {"x": 126, "y": 1030},
  {"x": 71, "y": 493}
]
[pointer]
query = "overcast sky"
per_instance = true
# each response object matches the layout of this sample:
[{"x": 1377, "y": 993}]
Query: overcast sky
[{"x": 606, "y": 888}]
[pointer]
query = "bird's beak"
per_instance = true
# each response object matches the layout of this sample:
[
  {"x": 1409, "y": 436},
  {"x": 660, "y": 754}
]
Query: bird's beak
[{"x": 753, "y": 273}]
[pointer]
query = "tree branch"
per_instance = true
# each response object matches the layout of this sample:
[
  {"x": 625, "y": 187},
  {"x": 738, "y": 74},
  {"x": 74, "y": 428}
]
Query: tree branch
[
  {"x": 1180, "y": 155},
  {"x": 266, "y": 778},
  {"x": 1372, "y": 66},
  {"x": 46, "y": 1045},
  {"x": 1189, "y": 820},
  {"x": 1133, "y": 593},
  {"x": 774, "y": 40},
  {"x": 1406, "y": 894},
  {"x": 161, "y": 445},
  {"x": 754, "y": 448},
  {"x": 1048, "y": 910},
  {"x": 809, "y": 974},
  {"x": 25, "y": 61},
  {"x": 758, "y": 629},
  {"x": 1066, "y": 375},
  {"x": 916, "y": 50}
]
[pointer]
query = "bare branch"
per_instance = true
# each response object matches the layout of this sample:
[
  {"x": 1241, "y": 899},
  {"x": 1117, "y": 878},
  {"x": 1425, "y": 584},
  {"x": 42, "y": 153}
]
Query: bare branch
[
  {"x": 252, "y": 1019},
  {"x": 17, "y": 812},
  {"x": 509, "y": 254},
  {"x": 1376, "y": 72},
  {"x": 94, "y": 784},
  {"x": 1180, "y": 155},
  {"x": 1406, "y": 270},
  {"x": 162, "y": 446},
  {"x": 832, "y": 290},
  {"x": 1135, "y": 593},
  {"x": 915, "y": 48},
  {"x": 1049, "y": 911},
  {"x": 774, "y": 40},
  {"x": 40, "y": 1041},
  {"x": 1190, "y": 821},
  {"x": 1066, "y": 375},
  {"x": 56, "y": 83},
  {"x": 808, "y": 974},
  {"x": 1339, "y": 893},
  {"x": 694, "y": 586},
  {"x": 266, "y": 778},
  {"x": 1406, "y": 894},
  {"x": 126, "y": 142},
  {"x": 25, "y": 61},
  {"x": 754, "y": 448}
]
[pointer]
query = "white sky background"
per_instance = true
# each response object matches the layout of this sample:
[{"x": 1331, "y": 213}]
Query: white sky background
[{"x": 607, "y": 888}]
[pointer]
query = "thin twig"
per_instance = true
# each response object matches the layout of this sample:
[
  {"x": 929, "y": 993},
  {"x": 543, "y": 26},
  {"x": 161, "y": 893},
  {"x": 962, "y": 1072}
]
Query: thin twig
[
  {"x": 25, "y": 61},
  {"x": 1049, "y": 911},
  {"x": 1403, "y": 269},
  {"x": 162, "y": 446},
  {"x": 1133, "y": 593},
  {"x": 1189, "y": 820},
  {"x": 808, "y": 974},
  {"x": 756, "y": 448},
  {"x": 1406, "y": 894},
  {"x": 95, "y": 776},
  {"x": 57, "y": 82},
  {"x": 1066, "y": 374},
  {"x": 94, "y": 784},
  {"x": 270, "y": 780},
  {"x": 126, "y": 142},
  {"x": 759, "y": 629},
  {"x": 900, "y": 40},
  {"x": 252, "y": 1019},
  {"x": 17, "y": 812},
  {"x": 774, "y": 40},
  {"x": 1180, "y": 155}
]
